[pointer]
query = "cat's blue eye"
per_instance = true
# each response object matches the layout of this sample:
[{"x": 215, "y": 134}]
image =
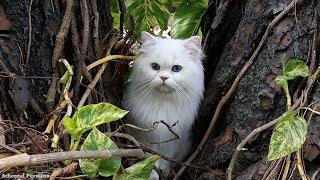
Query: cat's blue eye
[
  {"x": 176, "y": 68},
  {"x": 155, "y": 66}
]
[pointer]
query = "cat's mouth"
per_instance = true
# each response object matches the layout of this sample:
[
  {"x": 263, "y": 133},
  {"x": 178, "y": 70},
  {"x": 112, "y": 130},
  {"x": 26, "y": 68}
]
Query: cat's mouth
[{"x": 164, "y": 88}]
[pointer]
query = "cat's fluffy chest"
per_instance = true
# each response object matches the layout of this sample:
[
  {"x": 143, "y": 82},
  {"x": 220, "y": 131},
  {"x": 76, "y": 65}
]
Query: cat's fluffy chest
[{"x": 154, "y": 107}]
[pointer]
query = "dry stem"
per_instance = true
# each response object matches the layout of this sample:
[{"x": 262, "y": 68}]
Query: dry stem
[
  {"x": 108, "y": 58},
  {"x": 63, "y": 31},
  {"x": 30, "y": 38},
  {"x": 36, "y": 159}
]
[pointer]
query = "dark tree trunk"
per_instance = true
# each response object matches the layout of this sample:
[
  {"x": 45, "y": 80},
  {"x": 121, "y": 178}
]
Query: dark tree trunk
[
  {"x": 28, "y": 77},
  {"x": 232, "y": 31}
]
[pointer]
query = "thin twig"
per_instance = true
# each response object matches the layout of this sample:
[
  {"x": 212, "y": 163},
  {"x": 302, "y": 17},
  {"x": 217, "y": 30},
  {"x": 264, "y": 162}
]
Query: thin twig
[
  {"x": 95, "y": 33},
  {"x": 99, "y": 73},
  {"x": 315, "y": 174},
  {"x": 62, "y": 34},
  {"x": 126, "y": 136},
  {"x": 233, "y": 88},
  {"x": 309, "y": 109},
  {"x": 63, "y": 171},
  {"x": 287, "y": 167},
  {"x": 36, "y": 159},
  {"x": 176, "y": 136},
  {"x": 123, "y": 10},
  {"x": 30, "y": 38},
  {"x": 109, "y": 58},
  {"x": 275, "y": 169},
  {"x": 85, "y": 32},
  {"x": 9, "y": 148},
  {"x": 153, "y": 127},
  {"x": 300, "y": 166}
]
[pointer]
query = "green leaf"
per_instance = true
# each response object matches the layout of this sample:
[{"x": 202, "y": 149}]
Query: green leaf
[
  {"x": 62, "y": 81},
  {"x": 187, "y": 19},
  {"x": 141, "y": 170},
  {"x": 91, "y": 116},
  {"x": 105, "y": 167},
  {"x": 295, "y": 68},
  {"x": 116, "y": 20},
  {"x": 114, "y": 6},
  {"x": 282, "y": 81},
  {"x": 288, "y": 136},
  {"x": 148, "y": 13}
]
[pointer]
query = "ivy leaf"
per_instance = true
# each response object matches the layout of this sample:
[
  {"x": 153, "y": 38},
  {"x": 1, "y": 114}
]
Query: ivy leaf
[
  {"x": 114, "y": 6},
  {"x": 116, "y": 20},
  {"x": 288, "y": 136},
  {"x": 105, "y": 167},
  {"x": 295, "y": 68},
  {"x": 148, "y": 13},
  {"x": 283, "y": 82},
  {"x": 141, "y": 170},
  {"x": 187, "y": 19},
  {"x": 91, "y": 116},
  {"x": 115, "y": 13}
]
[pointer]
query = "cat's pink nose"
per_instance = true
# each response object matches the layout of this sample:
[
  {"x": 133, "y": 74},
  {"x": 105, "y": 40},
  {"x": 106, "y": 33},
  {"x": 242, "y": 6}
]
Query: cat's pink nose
[{"x": 163, "y": 78}]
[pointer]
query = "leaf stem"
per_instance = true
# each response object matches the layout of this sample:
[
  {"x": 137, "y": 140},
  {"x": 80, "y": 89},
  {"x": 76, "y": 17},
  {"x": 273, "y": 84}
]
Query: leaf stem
[
  {"x": 286, "y": 90},
  {"x": 205, "y": 2},
  {"x": 108, "y": 58}
]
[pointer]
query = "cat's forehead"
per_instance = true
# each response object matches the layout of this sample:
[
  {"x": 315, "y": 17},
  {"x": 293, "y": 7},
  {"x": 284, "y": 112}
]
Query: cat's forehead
[{"x": 169, "y": 45}]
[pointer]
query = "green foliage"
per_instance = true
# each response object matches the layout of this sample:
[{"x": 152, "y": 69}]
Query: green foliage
[
  {"x": 105, "y": 167},
  {"x": 187, "y": 19},
  {"x": 293, "y": 68},
  {"x": 63, "y": 81},
  {"x": 288, "y": 136},
  {"x": 149, "y": 13},
  {"x": 282, "y": 81},
  {"x": 91, "y": 116},
  {"x": 140, "y": 170},
  {"x": 290, "y": 132}
]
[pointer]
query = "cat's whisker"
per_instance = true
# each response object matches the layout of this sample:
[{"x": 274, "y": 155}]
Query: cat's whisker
[
  {"x": 181, "y": 91},
  {"x": 141, "y": 83}
]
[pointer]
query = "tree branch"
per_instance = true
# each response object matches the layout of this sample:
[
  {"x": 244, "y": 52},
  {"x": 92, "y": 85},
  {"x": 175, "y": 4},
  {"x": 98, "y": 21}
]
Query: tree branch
[{"x": 36, "y": 159}]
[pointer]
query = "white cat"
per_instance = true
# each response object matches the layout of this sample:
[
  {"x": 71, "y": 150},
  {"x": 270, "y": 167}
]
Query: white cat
[{"x": 167, "y": 83}]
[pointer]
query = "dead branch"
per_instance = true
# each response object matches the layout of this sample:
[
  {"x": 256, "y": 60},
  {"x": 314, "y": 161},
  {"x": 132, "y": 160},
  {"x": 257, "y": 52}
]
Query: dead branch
[
  {"x": 109, "y": 58},
  {"x": 123, "y": 10},
  {"x": 151, "y": 128},
  {"x": 36, "y": 159},
  {"x": 63, "y": 31},
  {"x": 96, "y": 28},
  {"x": 176, "y": 136},
  {"x": 98, "y": 75},
  {"x": 233, "y": 88},
  {"x": 50, "y": 97},
  {"x": 63, "y": 171},
  {"x": 30, "y": 39},
  {"x": 9, "y": 148},
  {"x": 300, "y": 166}
]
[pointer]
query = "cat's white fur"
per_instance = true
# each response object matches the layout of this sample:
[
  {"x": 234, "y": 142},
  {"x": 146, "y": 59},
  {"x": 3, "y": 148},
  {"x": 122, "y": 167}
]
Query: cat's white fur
[{"x": 150, "y": 99}]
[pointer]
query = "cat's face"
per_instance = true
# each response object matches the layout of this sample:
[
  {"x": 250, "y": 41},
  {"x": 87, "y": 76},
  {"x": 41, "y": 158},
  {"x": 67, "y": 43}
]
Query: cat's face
[{"x": 168, "y": 65}]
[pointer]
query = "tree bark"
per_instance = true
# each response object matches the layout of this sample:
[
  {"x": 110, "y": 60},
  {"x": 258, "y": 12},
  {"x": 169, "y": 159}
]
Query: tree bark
[{"x": 232, "y": 30}]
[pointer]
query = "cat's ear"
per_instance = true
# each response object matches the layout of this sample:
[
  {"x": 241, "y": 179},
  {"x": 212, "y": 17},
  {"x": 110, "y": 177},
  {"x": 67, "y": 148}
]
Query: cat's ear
[
  {"x": 147, "y": 38},
  {"x": 193, "y": 45}
]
